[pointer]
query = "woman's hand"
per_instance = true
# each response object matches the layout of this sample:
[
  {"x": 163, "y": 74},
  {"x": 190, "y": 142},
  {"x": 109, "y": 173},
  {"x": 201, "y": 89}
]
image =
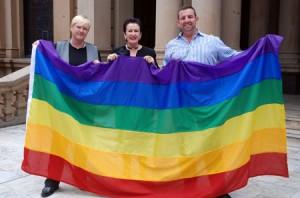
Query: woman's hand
[
  {"x": 149, "y": 59},
  {"x": 96, "y": 61},
  {"x": 112, "y": 57}
]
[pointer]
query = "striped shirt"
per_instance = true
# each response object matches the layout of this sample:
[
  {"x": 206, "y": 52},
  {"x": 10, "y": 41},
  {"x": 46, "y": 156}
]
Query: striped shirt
[{"x": 203, "y": 48}]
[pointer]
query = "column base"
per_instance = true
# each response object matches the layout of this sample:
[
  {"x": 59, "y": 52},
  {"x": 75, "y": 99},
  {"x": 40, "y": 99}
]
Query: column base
[
  {"x": 160, "y": 52},
  {"x": 10, "y": 53},
  {"x": 9, "y": 65}
]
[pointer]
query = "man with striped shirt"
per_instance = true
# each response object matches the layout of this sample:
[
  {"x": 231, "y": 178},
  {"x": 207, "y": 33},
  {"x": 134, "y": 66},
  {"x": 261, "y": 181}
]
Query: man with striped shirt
[{"x": 192, "y": 45}]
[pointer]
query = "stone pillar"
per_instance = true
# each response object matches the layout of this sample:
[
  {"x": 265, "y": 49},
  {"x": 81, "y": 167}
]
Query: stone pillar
[
  {"x": 259, "y": 19},
  {"x": 186, "y": 2},
  {"x": 209, "y": 13},
  {"x": 8, "y": 28},
  {"x": 12, "y": 36},
  {"x": 98, "y": 12},
  {"x": 231, "y": 23},
  {"x": 289, "y": 28},
  {"x": 63, "y": 12},
  {"x": 289, "y": 25},
  {"x": 2, "y": 34},
  {"x": 122, "y": 10},
  {"x": 166, "y": 28}
]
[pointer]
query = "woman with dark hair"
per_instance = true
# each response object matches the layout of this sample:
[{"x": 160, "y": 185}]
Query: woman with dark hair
[{"x": 132, "y": 34}]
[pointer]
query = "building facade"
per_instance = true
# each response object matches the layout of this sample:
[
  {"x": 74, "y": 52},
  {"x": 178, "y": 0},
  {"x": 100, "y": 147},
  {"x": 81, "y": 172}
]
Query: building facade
[{"x": 239, "y": 23}]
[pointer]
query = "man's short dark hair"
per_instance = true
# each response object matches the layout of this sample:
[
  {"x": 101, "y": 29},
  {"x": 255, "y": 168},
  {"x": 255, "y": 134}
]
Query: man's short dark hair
[
  {"x": 185, "y": 8},
  {"x": 132, "y": 20}
]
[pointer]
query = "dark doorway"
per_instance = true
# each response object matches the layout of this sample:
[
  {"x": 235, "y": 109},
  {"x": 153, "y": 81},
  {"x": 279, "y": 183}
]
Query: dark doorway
[
  {"x": 273, "y": 18},
  {"x": 245, "y": 21},
  {"x": 145, "y": 11},
  {"x": 38, "y": 22}
]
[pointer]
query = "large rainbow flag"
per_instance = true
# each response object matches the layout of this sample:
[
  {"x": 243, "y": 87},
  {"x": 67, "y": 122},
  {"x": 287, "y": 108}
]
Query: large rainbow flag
[{"x": 126, "y": 129}]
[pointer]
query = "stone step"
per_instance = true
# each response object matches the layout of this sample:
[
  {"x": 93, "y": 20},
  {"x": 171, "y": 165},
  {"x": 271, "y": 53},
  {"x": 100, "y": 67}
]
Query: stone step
[
  {"x": 292, "y": 108},
  {"x": 291, "y": 133},
  {"x": 293, "y": 117},
  {"x": 293, "y": 124}
]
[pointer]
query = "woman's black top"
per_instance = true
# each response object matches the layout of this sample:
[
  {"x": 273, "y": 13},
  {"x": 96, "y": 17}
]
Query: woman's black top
[
  {"x": 144, "y": 51},
  {"x": 78, "y": 56}
]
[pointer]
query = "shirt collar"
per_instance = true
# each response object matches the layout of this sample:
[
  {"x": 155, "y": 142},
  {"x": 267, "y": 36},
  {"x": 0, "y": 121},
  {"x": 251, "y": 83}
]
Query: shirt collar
[
  {"x": 198, "y": 33},
  {"x": 84, "y": 45}
]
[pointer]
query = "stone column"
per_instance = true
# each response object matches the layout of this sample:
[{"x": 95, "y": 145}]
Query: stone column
[
  {"x": 166, "y": 28},
  {"x": 289, "y": 25},
  {"x": 8, "y": 28},
  {"x": 12, "y": 34},
  {"x": 289, "y": 28},
  {"x": 63, "y": 12},
  {"x": 231, "y": 23},
  {"x": 122, "y": 10},
  {"x": 99, "y": 13},
  {"x": 259, "y": 19},
  {"x": 209, "y": 13},
  {"x": 2, "y": 35}
]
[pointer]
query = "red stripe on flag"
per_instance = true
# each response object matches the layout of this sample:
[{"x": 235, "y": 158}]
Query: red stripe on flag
[{"x": 54, "y": 167}]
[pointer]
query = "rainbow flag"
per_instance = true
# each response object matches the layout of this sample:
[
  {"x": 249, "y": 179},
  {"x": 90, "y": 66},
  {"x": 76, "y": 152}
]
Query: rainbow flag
[{"x": 126, "y": 129}]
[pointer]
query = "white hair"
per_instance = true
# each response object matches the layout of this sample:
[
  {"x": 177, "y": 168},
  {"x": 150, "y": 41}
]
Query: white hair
[{"x": 82, "y": 20}]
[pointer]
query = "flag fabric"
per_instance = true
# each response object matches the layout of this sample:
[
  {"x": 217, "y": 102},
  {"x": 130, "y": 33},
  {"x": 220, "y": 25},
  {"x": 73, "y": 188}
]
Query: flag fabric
[{"x": 126, "y": 129}]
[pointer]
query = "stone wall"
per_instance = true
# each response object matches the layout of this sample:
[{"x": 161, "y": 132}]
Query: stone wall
[{"x": 13, "y": 97}]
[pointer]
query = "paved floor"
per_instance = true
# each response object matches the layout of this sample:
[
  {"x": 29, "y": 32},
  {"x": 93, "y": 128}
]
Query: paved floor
[{"x": 16, "y": 184}]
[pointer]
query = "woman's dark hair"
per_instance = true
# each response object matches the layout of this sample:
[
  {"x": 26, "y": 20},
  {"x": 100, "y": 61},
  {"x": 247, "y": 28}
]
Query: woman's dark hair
[{"x": 132, "y": 20}]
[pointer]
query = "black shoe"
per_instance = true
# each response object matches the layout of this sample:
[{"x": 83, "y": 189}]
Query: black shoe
[
  {"x": 224, "y": 196},
  {"x": 48, "y": 190}
]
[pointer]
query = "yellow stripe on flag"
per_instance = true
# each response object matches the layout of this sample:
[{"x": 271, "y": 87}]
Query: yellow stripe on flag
[
  {"x": 124, "y": 166},
  {"x": 157, "y": 145}
]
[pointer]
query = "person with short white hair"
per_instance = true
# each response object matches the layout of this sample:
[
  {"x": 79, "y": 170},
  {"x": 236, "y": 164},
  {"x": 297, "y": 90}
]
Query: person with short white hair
[
  {"x": 77, "y": 51},
  {"x": 74, "y": 51}
]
